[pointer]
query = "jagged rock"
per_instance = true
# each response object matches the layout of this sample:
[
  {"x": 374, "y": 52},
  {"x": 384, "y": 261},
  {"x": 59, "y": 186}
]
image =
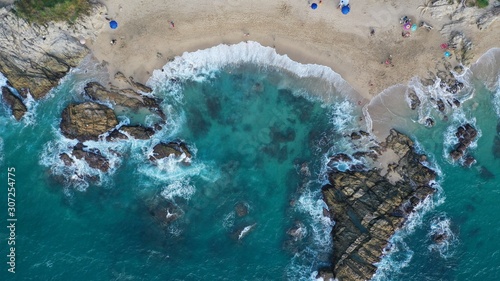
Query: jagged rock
[
  {"x": 14, "y": 102},
  {"x": 488, "y": 17},
  {"x": 121, "y": 78},
  {"x": 355, "y": 136},
  {"x": 340, "y": 157},
  {"x": 126, "y": 98},
  {"x": 440, "y": 105},
  {"x": 466, "y": 135},
  {"x": 138, "y": 132},
  {"x": 429, "y": 122},
  {"x": 86, "y": 121},
  {"x": 115, "y": 135},
  {"x": 34, "y": 57},
  {"x": 414, "y": 100},
  {"x": 458, "y": 69},
  {"x": 368, "y": 208},
  {"x": 66, "y": 159},
  {"x": 163, "y": 150},
  {"x": 140, "y": 87},
  {"x": 92, "y": 157},
  {"x": 462, "y": 47}
]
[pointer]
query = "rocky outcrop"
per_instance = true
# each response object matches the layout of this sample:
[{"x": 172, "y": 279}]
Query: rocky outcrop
[
  {"x": 368, "y": 208},
  {"x": 126, "y": 98},
  {"x": 93, "y": 157},
  {"x": 466, "y": 134},
  {"x": 138, "y": 132},
  {"x": 34, "y": 57},
  {"x": 486, "y": 19},
  {"x": 414, "y": 100},
  {"x": 123, "y": 97},
  {"x": 177, "y": 149},
  {"x": 87, "y": 121},
  {"x": 14, "y": 102},
  {"x": 130, "y": 82}
]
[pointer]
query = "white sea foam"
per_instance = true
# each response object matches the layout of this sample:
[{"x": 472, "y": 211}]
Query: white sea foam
[
  {"x": 3, "y": 80},
  {"x": 79, "y": 172},
  {"x": 245, "y": 231},
  {"x": 428, "y": 95},
  {"x": 398, "y": 255},
  {"x": 180, "y": 188},
  {"x": 199, "y": 65},
  {"x": 440, "y": 225},
  {"x": 496, "y": 99}
]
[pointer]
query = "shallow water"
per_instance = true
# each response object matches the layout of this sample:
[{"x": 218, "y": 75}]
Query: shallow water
[{"x": 260, "y": 134}]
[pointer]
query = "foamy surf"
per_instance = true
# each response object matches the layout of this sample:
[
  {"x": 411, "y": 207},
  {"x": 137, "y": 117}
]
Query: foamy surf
[
  {"x": 444, "y": 238},
  {"x": 197, "y": 66}
]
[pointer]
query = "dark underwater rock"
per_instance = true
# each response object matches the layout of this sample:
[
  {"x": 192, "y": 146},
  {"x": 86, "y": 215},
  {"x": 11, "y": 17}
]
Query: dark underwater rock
[
  {"x": 368, "y": 208},
  {"x": 14, "y": 102}
]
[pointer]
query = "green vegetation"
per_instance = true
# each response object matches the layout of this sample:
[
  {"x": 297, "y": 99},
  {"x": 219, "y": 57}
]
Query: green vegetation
[
  {"x": 482, "y": 3},
  {"x": 42, "y": 11}
]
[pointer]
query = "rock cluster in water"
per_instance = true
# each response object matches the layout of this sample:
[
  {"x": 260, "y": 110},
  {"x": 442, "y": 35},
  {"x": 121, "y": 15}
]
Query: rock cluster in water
[
  {"x": 369, "y": 206},
  {"x": 466, "y": 134},
  {"x": 95, "y": 121}
]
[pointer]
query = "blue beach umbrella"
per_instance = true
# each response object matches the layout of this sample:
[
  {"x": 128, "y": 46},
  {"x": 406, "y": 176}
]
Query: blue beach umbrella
[
  {"x": 314, "y": 6},
  {"x": 113, "y": 24},
  {"x": 346, "y": 10}
]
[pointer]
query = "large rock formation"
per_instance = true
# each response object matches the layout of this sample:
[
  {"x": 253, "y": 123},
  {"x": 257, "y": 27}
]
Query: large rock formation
[
  {"x": 86, "y": 121},
  {"x": 14, "y": 102},
  {"x": 34, "y": 57},
  {"x": 369, "y": 206}
]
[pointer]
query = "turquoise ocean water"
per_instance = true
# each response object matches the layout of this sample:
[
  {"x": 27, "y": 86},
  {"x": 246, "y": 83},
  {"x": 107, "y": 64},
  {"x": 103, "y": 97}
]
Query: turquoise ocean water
[{"x": 261, "y": 129}]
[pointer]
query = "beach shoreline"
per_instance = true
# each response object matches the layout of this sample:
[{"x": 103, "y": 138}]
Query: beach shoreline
[{"x": 149, "y": 36}]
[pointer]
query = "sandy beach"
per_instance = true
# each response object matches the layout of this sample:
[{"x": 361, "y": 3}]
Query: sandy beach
[{"x": 146, "y": 39}]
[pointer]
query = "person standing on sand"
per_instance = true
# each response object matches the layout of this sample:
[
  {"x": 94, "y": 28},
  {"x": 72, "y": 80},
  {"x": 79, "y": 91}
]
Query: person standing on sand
[{"x": 343, "y": 3}]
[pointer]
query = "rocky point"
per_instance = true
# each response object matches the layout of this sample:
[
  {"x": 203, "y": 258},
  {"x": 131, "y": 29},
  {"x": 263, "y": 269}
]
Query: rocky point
[{"x": 368, "y": 206}]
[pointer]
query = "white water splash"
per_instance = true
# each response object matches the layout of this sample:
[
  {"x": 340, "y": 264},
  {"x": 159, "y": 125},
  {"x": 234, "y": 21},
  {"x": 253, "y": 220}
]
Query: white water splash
[
  {"x": 246, "y": 230},
  {"x": 180, "y": 188},
  {"x": 441, "y": 225}
]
